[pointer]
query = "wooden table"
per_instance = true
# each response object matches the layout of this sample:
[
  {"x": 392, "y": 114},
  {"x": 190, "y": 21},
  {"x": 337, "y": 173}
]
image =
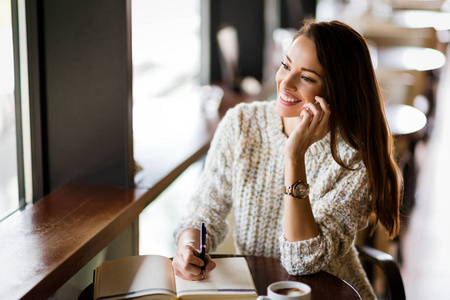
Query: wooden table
[
  {"x": 323, "y": 285},
  {"x": 267, "y": 270},
  {"x": 47, "y": 243}
]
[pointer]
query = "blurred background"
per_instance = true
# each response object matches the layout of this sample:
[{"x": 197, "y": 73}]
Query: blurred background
[{"x": 194, "y": 59}]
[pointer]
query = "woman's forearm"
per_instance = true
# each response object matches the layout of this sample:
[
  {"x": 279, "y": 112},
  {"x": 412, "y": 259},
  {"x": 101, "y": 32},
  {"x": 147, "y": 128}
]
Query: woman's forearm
[{"x": 299, "y": 223}]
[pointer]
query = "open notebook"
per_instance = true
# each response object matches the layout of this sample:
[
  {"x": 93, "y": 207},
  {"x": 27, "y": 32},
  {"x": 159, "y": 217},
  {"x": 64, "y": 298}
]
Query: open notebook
[{"x": 152, "y": 277}]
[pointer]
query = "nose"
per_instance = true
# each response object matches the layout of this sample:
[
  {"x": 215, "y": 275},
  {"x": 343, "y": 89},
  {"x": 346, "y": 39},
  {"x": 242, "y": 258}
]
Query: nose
[{"x": 289, "y": 82}]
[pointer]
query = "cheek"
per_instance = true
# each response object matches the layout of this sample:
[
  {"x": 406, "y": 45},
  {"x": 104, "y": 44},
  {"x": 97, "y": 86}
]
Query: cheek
[
  {"x": 312, "y": 91},
  {"x": 278, "y": 78},
  {"x": 321, "y": 90}
]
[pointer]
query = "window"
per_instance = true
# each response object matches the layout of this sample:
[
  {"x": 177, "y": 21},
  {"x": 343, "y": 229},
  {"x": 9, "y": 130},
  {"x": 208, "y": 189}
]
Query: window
[
  {"x": 166, "y": 47},
  {"x": 12, "y": 183},
  {"x": 166, "y": 69}
]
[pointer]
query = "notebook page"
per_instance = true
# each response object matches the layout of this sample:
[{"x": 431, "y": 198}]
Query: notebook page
[
  {"x": 231, "y": 276},
  {"x": 136, "y": 276}
]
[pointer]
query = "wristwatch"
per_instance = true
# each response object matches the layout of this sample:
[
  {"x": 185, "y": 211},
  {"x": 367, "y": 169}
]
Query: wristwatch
[{"x": 298, "y": 190}]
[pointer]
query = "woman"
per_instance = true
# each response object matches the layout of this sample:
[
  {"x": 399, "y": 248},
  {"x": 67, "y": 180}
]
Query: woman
[{"x": 325, "y": 139}]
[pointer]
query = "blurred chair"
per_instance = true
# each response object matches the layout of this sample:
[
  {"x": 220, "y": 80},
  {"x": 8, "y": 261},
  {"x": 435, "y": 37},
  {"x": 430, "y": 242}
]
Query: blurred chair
[
  {"x": 227, "y": 39},
  {"x": 396, "y": 87},
  {"x": 394, "y": 283}
]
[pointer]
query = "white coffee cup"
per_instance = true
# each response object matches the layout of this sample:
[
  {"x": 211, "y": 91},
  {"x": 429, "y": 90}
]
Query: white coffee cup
[{"x": 287, "y": 290}]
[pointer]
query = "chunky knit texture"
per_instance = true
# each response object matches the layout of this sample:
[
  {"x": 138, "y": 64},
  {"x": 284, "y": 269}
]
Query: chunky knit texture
[{"x": 244, "y": 170}]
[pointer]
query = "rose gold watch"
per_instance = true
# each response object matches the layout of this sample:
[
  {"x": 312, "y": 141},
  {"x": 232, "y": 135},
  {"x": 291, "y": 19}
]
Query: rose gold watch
[{"x": 298, "y": 190}]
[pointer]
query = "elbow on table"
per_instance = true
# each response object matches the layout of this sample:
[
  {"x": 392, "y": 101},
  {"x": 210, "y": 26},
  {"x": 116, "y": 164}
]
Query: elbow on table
[
  {"x": 298, "y": 265},
  {"x": 304, "y": 257},
  {"x": 300, "y": 268}
]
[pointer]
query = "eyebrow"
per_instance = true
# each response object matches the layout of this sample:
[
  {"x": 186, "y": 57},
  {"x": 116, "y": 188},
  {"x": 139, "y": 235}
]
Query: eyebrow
[{"x": 304, "y": 69}]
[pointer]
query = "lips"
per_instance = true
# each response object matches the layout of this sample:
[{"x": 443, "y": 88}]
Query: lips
[{"x": 288, "y": 99}]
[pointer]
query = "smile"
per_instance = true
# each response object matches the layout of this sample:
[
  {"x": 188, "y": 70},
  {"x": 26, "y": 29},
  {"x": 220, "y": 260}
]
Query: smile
[{"x": 288, "y": 100}]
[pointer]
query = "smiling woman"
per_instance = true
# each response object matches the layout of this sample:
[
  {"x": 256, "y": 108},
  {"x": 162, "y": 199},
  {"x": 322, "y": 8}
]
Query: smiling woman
[{"x": 316, "y": 139}]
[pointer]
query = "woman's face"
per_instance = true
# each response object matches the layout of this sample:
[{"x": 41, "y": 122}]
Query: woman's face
[{"x": 299, "y": 79}]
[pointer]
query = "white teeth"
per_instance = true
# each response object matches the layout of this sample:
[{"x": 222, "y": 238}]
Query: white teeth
[{"x": 288, "y": 99}]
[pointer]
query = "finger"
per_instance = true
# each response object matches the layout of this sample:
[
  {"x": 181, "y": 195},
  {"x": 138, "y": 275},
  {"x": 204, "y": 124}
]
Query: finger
[
  {"x": 317, "y": 112},
  {"x": 192, "y": 256},
  {"x": 190, "y": 262},
  {"x": 315, "y": 108},
  {"x": 322, "y": 127},
  {"x": 184, "y": 269},
  {"x": 210, "y": 264},
  {"x": 177, "y": 267},
  {"x": 326, "y": 111},
  {"x": 323, "y": 105},
  {"x": 306, "y": 116}
]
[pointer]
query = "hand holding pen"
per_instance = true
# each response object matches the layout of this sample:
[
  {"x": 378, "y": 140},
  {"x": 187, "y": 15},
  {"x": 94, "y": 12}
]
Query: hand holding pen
[{"x": 190, "y": 261}]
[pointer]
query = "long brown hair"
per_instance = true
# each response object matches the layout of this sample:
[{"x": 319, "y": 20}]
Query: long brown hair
[{"x": 357, "y": 113}]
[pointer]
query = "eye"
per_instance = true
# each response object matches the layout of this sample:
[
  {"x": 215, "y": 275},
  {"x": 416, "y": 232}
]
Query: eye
[
  {"x": 285, "y": 65},
  {"x": 305, "y": 78}
]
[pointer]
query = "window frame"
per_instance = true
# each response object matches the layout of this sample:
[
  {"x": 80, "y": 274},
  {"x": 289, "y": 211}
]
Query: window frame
[{"x": 18, "y": 103}]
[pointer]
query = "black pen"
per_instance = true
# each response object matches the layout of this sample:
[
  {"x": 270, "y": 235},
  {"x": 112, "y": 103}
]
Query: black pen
[{"x": 203, "y": 248}]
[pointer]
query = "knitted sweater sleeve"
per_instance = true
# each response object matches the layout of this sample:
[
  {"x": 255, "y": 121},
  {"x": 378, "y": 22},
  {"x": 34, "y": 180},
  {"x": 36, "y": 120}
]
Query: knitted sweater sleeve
[
  {"x": 339, "y": 214},
  {"x": 211, "y": 201}
]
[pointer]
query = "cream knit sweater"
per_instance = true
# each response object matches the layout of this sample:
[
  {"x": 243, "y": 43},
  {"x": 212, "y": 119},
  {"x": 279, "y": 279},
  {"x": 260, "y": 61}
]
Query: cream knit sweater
[{"x": 244, "y": 170}]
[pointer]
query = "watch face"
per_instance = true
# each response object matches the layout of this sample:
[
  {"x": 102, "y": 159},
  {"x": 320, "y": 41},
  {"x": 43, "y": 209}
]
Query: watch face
[{"x": 300, "y": 190}]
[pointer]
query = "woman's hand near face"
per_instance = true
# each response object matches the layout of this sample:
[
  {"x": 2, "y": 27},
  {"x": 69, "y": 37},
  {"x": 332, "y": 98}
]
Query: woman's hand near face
[
  {"x": 312, "y": 127},
  {"x": 186, "y": 261},
  {"x": 299, "y": 222}
]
